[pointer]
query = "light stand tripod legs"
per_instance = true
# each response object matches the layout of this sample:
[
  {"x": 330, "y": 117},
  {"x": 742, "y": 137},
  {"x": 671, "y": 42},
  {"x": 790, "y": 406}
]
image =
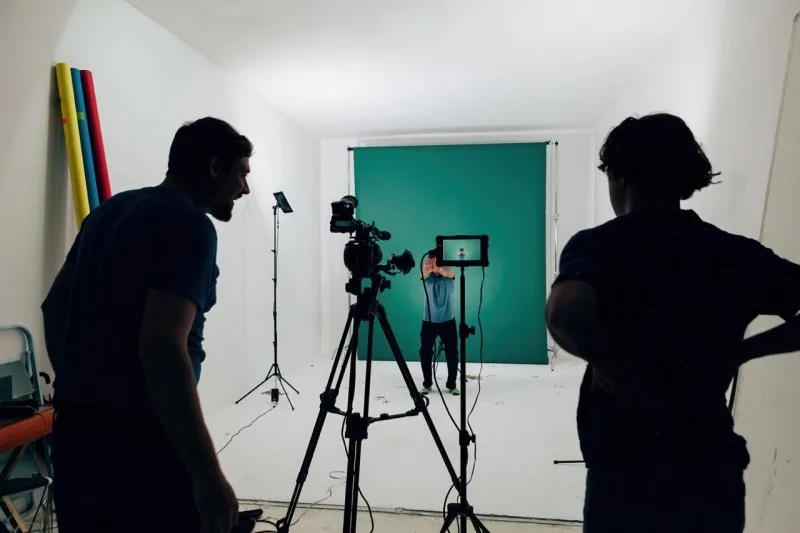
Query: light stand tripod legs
[{"x": 274, "y": 372}]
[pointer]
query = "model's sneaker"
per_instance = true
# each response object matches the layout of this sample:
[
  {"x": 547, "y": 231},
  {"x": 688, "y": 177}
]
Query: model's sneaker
[
  {"x": 425, "y": 390},
  {"x": 454, "y": 391}
]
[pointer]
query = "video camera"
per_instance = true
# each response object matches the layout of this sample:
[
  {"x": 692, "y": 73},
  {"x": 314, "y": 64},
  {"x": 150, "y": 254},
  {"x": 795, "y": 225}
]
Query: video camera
[{"x": 362, "y": 254}]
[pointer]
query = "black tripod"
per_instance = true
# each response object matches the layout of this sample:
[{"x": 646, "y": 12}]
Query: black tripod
[
  {"x": 367, "y": 308},
  {"x": 275, "y": 370}
]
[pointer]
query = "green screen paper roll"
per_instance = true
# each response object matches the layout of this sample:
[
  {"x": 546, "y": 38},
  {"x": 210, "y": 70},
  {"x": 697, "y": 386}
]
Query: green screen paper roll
[{"x": 69, "y": 118}]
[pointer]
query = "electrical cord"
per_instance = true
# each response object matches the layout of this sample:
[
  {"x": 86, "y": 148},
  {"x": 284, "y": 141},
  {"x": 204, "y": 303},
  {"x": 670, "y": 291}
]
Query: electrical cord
[
  {"x": 47, "y": 517},
  {"x": 245, "y": 427},
  {"x": 338, "y": 475},
  {"x": 480, "y": 373}
]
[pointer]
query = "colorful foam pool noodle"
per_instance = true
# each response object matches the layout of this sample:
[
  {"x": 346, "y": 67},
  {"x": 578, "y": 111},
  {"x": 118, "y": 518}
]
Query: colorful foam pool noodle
[
  {"x": 69, "y": 118},
  {"x": 86, "y": 142},
  {"x": 98, "y": 148}
]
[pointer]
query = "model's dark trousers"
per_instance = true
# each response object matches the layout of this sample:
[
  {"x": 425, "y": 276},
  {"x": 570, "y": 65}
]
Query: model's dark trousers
[
  {"x": 664, "y": 499},
  {"x": 118, "y": 474},
  {"x": 448, "y": 332}
]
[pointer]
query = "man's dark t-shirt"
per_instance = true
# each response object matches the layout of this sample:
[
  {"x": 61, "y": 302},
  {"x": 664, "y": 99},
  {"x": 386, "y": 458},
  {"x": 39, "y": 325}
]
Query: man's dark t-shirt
[
  {"x": 151, "y": 238},
  {"x": 676, "y": 295}
]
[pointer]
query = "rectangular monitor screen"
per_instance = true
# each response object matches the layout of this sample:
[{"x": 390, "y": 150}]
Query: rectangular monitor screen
[{"x": 462, "y": 250}]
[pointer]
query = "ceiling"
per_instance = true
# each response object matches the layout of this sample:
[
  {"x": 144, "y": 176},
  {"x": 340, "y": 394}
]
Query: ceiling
[{"x": 360, "y": 67}]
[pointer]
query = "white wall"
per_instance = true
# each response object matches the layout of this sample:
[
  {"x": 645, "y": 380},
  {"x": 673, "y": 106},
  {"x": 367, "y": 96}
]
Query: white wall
[
  {"x": 724, "y": 74},
  {"x": 766, "y": 406},
  {"x": 149, "y": 82},
  {"x": 575, "y": 203}
]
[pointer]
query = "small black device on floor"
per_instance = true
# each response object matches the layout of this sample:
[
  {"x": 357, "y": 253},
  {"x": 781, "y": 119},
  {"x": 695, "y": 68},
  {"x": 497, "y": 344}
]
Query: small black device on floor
[
  {"x": 282, "y": 204},
  {"x": 245, "y": 525},
  {"x": 362, "y": 256},
  {"x": 251, "y": 514}
]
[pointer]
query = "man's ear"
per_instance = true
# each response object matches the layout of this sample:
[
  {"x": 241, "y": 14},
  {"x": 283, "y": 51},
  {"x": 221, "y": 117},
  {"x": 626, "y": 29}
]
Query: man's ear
[{"x": 215, "y": 167}]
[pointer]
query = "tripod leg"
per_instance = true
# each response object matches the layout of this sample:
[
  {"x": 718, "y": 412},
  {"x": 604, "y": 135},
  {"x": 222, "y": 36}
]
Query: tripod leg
[
  {"x": 284, "y": 380},
  {"x": 327, "y": 405},
  {"x": 419, "y": 401},
  {"x": 448, "y": 521},
  {"x": 253, "y": 389},
  {"x": 458, "y": 511},
  {"x": 356, "y": 432},
  {"x": 477, "y": 524},
  {"x": 272, "y": 372},
  {"x": 286, "y": 394}
]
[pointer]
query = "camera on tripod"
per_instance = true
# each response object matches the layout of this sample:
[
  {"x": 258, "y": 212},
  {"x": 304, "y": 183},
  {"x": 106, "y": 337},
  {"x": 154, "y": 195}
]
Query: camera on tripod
[
  {"x": 362, "y": 253},
  {"x": 362, "y": 257}
]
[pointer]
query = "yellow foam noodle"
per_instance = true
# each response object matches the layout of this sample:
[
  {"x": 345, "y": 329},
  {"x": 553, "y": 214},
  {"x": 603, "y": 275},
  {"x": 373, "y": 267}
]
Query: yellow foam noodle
[{"x": 69, "y": 118}]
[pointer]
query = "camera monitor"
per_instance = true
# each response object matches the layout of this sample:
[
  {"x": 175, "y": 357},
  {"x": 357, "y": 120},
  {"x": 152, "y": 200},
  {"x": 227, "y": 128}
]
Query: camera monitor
[{"x": 462, "y": 250}]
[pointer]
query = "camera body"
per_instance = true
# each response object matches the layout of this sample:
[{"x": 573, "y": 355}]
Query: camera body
[{"x": 362, "y": 253}]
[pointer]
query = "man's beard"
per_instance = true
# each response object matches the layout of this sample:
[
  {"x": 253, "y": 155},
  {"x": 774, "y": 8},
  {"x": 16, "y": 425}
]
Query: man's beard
[{"x": 223, "y": 213}]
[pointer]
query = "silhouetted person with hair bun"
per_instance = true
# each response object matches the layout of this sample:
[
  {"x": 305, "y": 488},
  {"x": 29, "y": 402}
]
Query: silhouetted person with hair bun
[{"x": 657, "y": 302}]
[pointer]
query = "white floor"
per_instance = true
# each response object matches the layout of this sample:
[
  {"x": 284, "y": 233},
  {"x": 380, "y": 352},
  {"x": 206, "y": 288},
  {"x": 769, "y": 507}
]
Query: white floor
[
  {"x": 524, "y": 420},
  {"x": 330, "y": 521}
]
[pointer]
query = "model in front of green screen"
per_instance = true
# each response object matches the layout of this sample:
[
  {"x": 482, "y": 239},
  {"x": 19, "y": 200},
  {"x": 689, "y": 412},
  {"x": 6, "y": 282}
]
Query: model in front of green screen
[{"x": 439, "y": 320}]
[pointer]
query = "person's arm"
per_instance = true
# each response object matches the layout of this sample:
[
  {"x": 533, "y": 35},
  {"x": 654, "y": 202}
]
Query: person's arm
[
  {"x": 445, "y": 272},
  {"x": 164, "y": 357},
  {"x": 572, "y": 317},
  {"x": 55, "y": 308},
  {"x": 776, "y": 292},
  {"x": 572, "y": 311},
  {"x": 778, "y": 340},
  {"x": 179, "y": 283}
]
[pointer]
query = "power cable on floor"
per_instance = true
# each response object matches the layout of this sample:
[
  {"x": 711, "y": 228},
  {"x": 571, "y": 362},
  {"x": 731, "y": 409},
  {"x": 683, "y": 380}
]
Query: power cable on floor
[{"x": 245, "y": 427}]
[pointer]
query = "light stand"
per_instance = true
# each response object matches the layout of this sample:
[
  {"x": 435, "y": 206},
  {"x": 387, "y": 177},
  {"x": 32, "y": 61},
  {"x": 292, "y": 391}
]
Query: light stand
[
  {"x": 462, "y": 510},
  {"x": 275, "y": 370}
]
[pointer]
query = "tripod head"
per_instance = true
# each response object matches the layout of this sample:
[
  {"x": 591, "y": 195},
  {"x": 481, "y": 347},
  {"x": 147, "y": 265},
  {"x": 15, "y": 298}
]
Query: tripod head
[{"x": 378, "y": 284}]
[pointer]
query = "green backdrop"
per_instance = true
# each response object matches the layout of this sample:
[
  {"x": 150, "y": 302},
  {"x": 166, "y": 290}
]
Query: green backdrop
[{"x": 419, "y": 192}]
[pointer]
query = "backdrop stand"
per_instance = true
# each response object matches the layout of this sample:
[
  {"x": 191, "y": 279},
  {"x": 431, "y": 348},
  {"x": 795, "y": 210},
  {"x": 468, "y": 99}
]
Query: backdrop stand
[{"x": 275, "y": 370}]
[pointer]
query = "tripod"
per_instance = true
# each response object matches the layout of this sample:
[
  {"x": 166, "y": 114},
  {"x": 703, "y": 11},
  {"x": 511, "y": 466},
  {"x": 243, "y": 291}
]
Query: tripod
[
  {"x": 275, "y": 370},
  {"x": 367, "y": 308}
]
